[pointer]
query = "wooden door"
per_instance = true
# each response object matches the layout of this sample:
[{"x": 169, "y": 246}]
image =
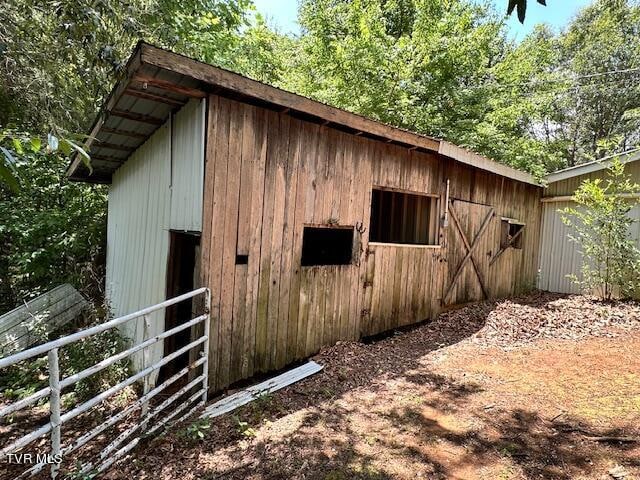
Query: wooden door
[
  {"x": 468, "y": 251},
  {"x": 401, "y": 286}
]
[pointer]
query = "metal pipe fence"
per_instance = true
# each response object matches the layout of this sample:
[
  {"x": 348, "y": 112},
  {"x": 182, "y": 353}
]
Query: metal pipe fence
[{"x": 151, "y": 417}]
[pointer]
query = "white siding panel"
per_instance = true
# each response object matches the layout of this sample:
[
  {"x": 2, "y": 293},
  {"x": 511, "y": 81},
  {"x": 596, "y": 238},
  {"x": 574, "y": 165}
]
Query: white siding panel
[
  {"x": 187, "y": 167},
  {"x": 138, "y": 234},
  {"x": 559, "y": 256},
  {"x": 158, "y": 189}
]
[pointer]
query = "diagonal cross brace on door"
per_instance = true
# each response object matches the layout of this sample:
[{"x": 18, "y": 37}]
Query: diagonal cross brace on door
[{"x": 470, "y": 250}]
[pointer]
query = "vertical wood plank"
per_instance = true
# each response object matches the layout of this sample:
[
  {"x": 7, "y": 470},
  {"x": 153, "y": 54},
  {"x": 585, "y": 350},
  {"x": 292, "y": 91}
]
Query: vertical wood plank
[
  {"x": 262, "y": 321},
  {"x": 286, "y": 270},
  {"x": 228, "y": 341},
  {"x": 203, "y": 261},
  {"x": 274, "y": 316},
  {"x": 259, "y": 152},
  {"x": 219, "y": 198}
]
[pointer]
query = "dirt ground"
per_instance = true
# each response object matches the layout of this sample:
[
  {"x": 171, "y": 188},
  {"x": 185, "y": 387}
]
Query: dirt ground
[{"x": 452, "y": 399}]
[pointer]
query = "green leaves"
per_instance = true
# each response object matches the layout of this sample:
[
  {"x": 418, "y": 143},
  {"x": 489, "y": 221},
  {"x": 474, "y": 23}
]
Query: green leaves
[
  {"x": 602, "y": 229},
  {"x": 18, "y": 146},
  {"x": 52, "y": 231},
  {"x": 59, "y": 62},
  {"x": 7, "y": 174},
  {"x": 68, "y": 146},
  {"x": 196, "y": 431},
  {"x": 36, "y": 144}
]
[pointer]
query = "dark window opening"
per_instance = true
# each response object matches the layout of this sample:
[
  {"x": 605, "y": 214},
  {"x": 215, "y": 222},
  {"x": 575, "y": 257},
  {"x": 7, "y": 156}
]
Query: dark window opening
[
  {"x": 398, "y": 217},
  {"x": 327, "y": 246},
  {"x": 242, "y": 259},
  {"x": 511, "y": 234}
]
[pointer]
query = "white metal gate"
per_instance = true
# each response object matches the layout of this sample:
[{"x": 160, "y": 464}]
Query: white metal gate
[{"x": 152, "y": 415}]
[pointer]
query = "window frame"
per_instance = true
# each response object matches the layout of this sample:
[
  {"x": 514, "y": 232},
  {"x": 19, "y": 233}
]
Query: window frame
[
  {"x": 438, "y": 233},
  {"x": 505, "y": 235},
  {"x": 354, "y": 244}
]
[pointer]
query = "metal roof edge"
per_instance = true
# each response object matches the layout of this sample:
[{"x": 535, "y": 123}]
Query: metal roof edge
[
  {"x": 147, "y": 54},
  {"x": 590, "y": 167}
]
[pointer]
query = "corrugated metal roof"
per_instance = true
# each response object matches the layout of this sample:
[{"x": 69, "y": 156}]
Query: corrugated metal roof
[
  {"x": 596, "y": 165},
  {"x": 157, "y": 82},
  {"x": 137, "y": 113}
]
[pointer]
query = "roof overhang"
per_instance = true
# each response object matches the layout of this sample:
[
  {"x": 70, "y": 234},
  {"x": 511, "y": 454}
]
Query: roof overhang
[
  {"x": 627, "y": 157},
  {"x": 158, "y": 82}
]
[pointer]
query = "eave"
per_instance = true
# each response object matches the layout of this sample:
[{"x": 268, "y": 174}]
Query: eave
[{"x": 157, "y": 82}]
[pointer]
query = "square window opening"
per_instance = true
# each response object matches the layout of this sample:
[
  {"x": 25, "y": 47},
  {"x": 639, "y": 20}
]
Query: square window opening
[
  {"x": 512, "y": 233},
  {"x": 327, "y": 246},
  {"x": 404, "y": 218}
]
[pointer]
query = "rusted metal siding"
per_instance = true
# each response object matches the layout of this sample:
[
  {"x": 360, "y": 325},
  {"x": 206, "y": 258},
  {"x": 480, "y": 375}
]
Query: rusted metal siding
[
  {"x": 158, "y": 189},
  {"x": 187, "y": 160}
]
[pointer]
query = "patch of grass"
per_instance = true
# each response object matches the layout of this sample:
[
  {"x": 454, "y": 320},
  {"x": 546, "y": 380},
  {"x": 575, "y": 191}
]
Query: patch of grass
[
  {"x": 328, "y": 393},
  {"x": 263, "y": 408},
  {"x": 371, "y": 440},
  {"x": 366, "y": 471},
  {"x": 335, "y": 475},
  {"x": 415, "y": 399}
]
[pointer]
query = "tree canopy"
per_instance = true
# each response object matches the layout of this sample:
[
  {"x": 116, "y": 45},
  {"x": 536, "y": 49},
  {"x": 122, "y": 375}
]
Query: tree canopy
[{"x": 446, "y": 69}]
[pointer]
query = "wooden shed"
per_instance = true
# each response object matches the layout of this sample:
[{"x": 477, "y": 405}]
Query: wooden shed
[
  {"x": 309, "y": 224},
  {"x": 559, "y": 255}
]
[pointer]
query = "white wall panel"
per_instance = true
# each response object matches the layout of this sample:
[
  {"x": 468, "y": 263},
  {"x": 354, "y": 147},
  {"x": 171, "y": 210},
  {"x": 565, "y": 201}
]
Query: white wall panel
[
  {"x": 158, "y": 189},
  {"x": 559, "y": 256},
  {"x": 138, "y": 234},
  {"x": 187, "y": 165}
]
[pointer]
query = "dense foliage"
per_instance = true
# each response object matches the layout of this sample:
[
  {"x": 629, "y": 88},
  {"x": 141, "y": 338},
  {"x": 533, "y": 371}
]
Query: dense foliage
[
  {"x": 27, "y": 377},
  {"x": 59, "y": 59},
  {"x": 446, "y": 69},
  {"x": 51, "y": 231},
  {"x": 603, "y": 233}
]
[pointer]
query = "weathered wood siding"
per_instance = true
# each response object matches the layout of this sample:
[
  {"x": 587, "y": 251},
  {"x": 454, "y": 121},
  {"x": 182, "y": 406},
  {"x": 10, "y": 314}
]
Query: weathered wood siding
[{"x": 267, "y": 175}]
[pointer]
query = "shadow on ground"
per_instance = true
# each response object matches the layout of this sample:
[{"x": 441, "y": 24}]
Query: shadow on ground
[{"x": 381, "y": 411}]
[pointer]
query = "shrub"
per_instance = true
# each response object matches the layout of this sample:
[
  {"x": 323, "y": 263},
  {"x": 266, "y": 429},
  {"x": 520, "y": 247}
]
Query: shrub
[
  {"x": 602, "y": 228},
  {"x": 23, "y": 379}
]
